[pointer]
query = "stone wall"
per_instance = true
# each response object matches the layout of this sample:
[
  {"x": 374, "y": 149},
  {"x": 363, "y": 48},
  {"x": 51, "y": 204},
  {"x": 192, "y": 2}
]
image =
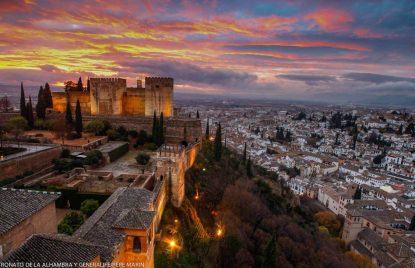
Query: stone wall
[
  {"x": 173, "y": 162},
  {"x": 107, "y": 95},
  {"x": 43, "y": 221},
  {"x": 174, "y": 127},
  {"x": 134, "y": 102},
  {"x": 159, "y": 96},
  {"x": 30, "y": 162},
  {"x": 60, "y": 100}
]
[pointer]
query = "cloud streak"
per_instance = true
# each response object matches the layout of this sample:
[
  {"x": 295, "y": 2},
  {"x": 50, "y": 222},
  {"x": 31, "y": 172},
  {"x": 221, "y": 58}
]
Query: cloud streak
[{"x": 219, "y": 46}]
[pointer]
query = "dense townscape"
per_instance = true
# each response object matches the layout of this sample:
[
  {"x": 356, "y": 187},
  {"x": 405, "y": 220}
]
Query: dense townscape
[{"x": 357, "y": 162}]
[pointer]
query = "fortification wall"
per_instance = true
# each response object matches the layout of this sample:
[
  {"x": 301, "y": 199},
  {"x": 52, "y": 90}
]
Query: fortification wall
[
  {"x": 159, "y": 96},
  {"x": 174, "y": 127},
  {"x": 174, "y": 161},
  {"x": 106, "y": 95},
  {"x": 31, "y": 162},
  {"x": 60, "y": 99},
  {"x": 134, "y": 102}
]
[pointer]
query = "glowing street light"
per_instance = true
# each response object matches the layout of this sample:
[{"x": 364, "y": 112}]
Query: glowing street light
[
  {"x": 176, "y": 221},
  {"x": 219, "y": 230},
  {"x": 197, "y": 196},
  {"x": 172, "y": 243}
]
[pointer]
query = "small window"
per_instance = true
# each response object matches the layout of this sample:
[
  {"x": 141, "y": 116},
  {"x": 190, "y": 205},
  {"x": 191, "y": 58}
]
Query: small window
[{"x": 136, "y": 244}]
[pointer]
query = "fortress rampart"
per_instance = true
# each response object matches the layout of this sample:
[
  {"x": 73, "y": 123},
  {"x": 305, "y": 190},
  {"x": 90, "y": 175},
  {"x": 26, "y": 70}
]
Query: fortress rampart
[{"x": 110, "y": 96}]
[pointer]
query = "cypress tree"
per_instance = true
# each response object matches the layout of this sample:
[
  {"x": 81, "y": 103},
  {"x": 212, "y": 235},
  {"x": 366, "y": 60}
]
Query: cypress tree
[
  {"x": 207, "y": 130},
  {"x": 48, "y": 96},
  {"x": 155, "y": 130},
  {"x": 412, "y": 225},
  {"x": 29, "y": 109},
  {"x": 244, "y": 154},
  {"x": 218, "y": 143},
  {"x": 271, "y": 253},
  {"x": 68, "y": 116},
  {"x": 41, "y": 104},
  {"x": 23, "y": 111},
  {"x": 249, "y": 168},
  {"x": 79, "y": 86},
  {"x": 357, "y": 193},
  {"x": 88, "y": 87},
  {"x": 78, "y": 118},
  {"x": 197, "y": 114},
  {"x": 161, "y": 130}
]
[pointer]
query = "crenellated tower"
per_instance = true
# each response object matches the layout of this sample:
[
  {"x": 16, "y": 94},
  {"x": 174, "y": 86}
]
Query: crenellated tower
[{"x": 159, "y": 96}]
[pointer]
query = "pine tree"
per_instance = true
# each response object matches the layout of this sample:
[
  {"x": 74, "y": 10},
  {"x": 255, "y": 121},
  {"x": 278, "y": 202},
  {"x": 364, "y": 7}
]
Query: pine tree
[
  {"x": 48, "y": 96},
  {"x": 197, "y": 114},
  {"x": 41, "y": 104},
  {"x": 249, "y": 168},
  {"x": 218, "y": 143},
  {"x": 30, "y": 118},
  {"x": 79, "y": 86},
  {"x": 161, "y": 130},
  {"x": 23, "y": 111},
  {"x": 244, "y": 154},
  {"x": 357, "y": 193},
  {"x": 207, "y": 134},
  {"x": 68, "y": 117},
  {"x": 412, "y": 225},
  {"x": 271, "y": 253},
  {"x": 78, "y": 118}
]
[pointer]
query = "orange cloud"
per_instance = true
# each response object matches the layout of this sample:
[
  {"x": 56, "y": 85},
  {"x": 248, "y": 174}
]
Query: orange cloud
[{"x": 331, "y": 19}]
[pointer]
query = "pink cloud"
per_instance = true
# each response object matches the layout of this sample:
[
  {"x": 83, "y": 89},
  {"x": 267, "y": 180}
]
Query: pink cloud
[{"x": 331, "y": 19}]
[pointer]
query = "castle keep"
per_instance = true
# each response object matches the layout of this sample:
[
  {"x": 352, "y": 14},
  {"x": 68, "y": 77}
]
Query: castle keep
[{"x": 111, "y": 96}]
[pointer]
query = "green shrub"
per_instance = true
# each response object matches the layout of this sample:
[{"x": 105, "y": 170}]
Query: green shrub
[
  {"x": 95, "y": 126},
  {"x": 142, "y": 159},
  {"x": 93, "y": 157},
  {"x": 133, "y": 134},
  {"x": 142, "y": 138},
  {"x": 89, "y": 206},
  {"x": 70, "y": 223},
  {"x": 118, "y": 152},
  {"x": 150, "y": 146}
]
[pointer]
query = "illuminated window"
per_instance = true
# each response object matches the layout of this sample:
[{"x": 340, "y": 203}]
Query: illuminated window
[{"x": 136, "y": 244}]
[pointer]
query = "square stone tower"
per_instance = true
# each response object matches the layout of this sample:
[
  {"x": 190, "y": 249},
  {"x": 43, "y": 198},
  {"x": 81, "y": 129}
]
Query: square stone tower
[
  {"x": 159, "y": 96},
  {"x": 107, "y": 95}
]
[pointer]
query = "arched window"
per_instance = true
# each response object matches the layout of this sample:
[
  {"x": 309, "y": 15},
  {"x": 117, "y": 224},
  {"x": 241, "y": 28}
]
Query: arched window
[{"x": 136, "y": 244}]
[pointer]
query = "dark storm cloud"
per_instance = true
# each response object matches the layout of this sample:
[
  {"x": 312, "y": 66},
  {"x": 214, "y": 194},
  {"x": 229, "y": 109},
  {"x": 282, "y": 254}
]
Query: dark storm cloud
[
  {"x": 185, "y": 72},
  {"x": 376, "y": 78},
  {"x": 308, "y": 79}
]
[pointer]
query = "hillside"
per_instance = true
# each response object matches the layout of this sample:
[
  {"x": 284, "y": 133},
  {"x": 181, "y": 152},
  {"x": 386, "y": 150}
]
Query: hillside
[{"x": 231, "y": 220}]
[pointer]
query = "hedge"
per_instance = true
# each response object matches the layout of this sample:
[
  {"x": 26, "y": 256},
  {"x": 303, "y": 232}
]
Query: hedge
[{"x": 118, "y": 152}]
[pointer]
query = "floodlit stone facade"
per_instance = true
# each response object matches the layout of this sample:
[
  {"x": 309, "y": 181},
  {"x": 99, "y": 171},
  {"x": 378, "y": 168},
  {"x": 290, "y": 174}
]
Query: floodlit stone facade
[{"x": 110, "y": 96}]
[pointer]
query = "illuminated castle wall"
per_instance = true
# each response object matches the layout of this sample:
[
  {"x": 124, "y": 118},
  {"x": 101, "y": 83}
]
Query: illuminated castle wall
[{"x": 110, "y": 96}]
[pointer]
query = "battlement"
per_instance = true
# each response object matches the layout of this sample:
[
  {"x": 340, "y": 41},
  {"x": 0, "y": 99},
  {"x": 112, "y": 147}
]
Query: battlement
[
  {"x": 108, "y": 79},
  {"x": 159, "y": 79}
]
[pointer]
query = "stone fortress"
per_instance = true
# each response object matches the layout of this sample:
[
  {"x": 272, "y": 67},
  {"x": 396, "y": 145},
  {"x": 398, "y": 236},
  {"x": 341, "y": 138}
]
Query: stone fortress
[
  {"x": 125, "y": 228},
  {"x": 111, "y": 96}
]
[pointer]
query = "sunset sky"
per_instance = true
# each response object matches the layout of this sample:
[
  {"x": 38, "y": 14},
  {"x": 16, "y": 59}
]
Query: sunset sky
[{"x": 336, "y": 50}]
